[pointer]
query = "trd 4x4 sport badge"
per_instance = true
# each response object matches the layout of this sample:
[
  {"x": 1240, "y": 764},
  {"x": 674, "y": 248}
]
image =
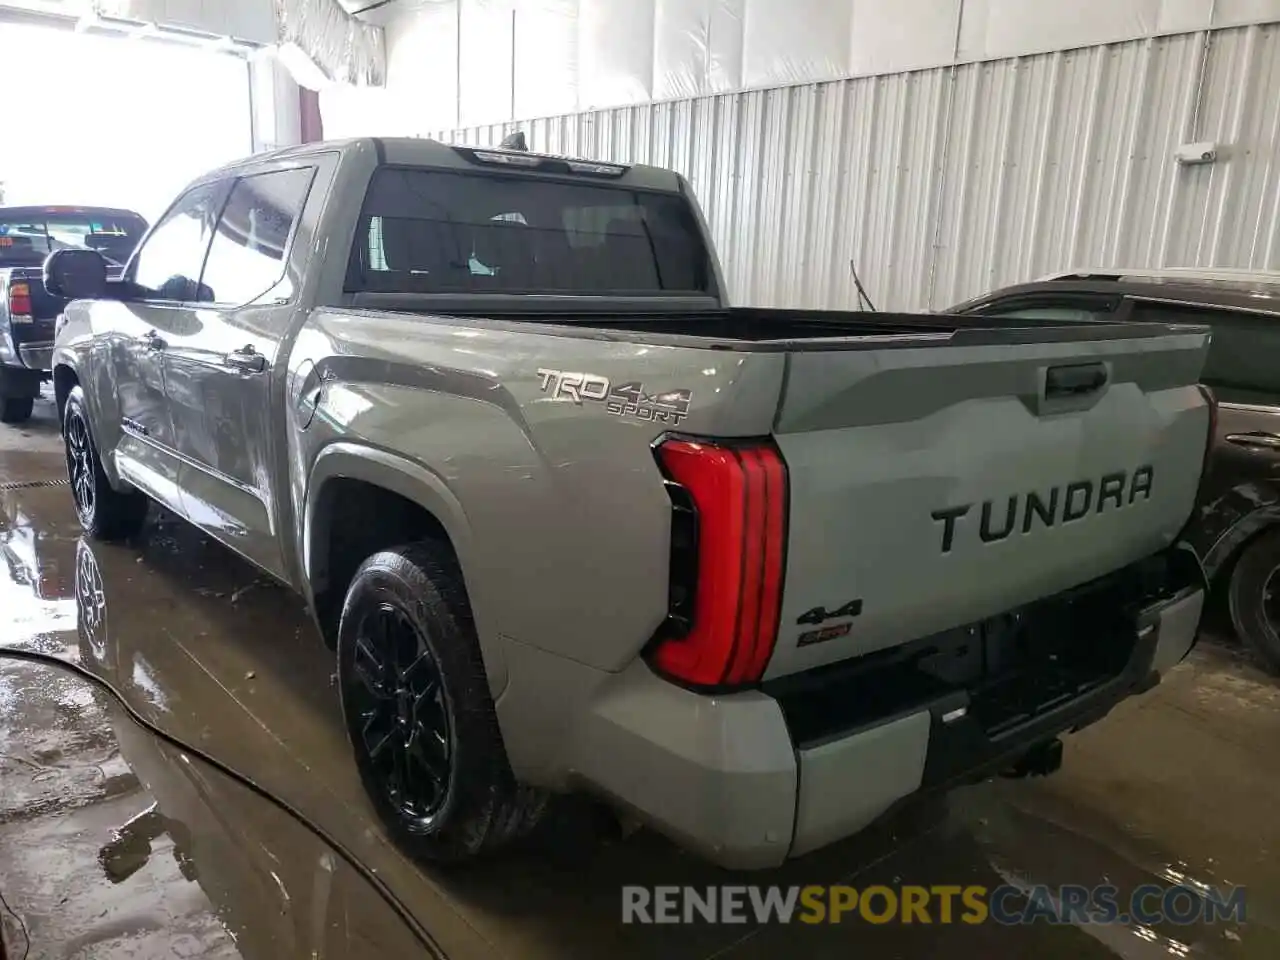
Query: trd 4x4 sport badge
[{"x": 630, "y": 399}]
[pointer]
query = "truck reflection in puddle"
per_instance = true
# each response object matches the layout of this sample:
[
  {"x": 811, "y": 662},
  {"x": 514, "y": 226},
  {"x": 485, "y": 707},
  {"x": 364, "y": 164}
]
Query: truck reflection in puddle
[
  {"x": 130, "y": 846},
  {"x": 278, "y": 889}
]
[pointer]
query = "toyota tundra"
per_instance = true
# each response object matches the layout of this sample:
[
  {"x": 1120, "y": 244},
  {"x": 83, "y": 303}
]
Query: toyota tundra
[{"x": 573, "y": 523}]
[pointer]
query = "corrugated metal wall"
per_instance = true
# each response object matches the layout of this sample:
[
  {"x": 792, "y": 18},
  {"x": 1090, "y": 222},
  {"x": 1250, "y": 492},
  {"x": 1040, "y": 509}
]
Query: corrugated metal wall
[{"x": 941, "y": 184}]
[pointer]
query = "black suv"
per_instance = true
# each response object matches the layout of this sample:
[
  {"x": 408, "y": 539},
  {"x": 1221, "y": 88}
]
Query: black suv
[{"x": 1237, "y": 529}]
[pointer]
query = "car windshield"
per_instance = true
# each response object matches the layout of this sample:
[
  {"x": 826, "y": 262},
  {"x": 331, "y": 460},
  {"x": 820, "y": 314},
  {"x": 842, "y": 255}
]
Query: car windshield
[
  {"x": 428, "y": 231},
  {"x": 28, "y": 236}
]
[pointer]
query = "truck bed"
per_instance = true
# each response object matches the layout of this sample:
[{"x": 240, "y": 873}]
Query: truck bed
[
  {"x": 747, "y": 328},
  {"x": 941, "y": 469}
]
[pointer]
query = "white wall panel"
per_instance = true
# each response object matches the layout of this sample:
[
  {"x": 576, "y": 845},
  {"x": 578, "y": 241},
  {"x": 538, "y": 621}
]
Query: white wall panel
[
  {"x": 422, "y": 78},
  {"x": 698, "y": 47},
  {"x": 615, "y": 52},
  {"x": 1004, "y": 27},
  {"x": 485, "y": 61},
  {"x": 904, "y": 35},
  {"x": 788, "y": 40},
  {"x": 591, "y": 54},
  {"x": 546, "y": 58},
  {"x": 943, "y": 183}
]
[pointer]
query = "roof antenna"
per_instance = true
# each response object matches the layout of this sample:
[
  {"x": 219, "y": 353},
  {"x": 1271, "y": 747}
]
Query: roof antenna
[
  {"x": 514, "y": 141},
  {"x": 862, "y": 293}
]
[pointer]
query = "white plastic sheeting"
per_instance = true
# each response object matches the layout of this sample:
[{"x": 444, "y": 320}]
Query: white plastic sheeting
[
  {"x": 943, "y": 183},
  {"x": 698, "y": 46},
  {"x": 518, "y": 59}
]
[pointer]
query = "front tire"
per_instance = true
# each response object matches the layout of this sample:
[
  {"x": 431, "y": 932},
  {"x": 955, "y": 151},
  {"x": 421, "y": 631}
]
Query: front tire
[
  {"x": 16, "y": 409},
  {"x": 1255, "y": 613},
  {"x": 104, "y": 513},
  {"x": 418, "y": 711}
]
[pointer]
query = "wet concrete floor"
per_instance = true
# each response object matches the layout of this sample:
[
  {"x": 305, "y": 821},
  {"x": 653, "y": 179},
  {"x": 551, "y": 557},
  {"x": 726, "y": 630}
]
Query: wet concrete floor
[{"x": 114, "y": 843}]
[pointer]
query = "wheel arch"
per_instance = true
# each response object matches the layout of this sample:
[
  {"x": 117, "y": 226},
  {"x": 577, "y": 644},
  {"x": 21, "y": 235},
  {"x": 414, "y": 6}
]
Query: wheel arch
[
  {"x": 65, "y": 376},
  {"x": 73, "y": 368},
  {"x": 1220, "y": 559},
  {"x": 334, "y": 470}
]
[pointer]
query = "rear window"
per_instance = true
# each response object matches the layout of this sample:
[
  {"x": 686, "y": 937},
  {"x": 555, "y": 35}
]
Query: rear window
[
  {"x": 27, "y": 237},
  {"x": 427, "y": 231}
]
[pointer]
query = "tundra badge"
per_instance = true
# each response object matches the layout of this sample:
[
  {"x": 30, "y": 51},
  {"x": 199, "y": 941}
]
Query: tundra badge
[{"x": 1063, "y": 504}]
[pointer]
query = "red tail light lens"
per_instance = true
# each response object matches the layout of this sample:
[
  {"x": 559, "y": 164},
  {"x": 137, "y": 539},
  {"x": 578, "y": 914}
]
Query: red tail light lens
[
  {"x": 19, "y": 300},
  {"x": 738, "y": 497}
]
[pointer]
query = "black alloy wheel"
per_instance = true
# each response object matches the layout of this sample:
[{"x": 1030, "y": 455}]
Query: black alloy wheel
[
  {"x": 418, "y": 709},
  {"x": 395, "y": 691},
  {"x": 80, "y": 467},
  {"x": 105, "y": 513}
]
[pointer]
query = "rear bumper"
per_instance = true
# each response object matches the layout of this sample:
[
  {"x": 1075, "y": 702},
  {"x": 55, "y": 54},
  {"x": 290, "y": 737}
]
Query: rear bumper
[
  {"x": 20, "y": 381},
  {"x": 37, "y": 356},
  {"x": 724, "y": 776}
]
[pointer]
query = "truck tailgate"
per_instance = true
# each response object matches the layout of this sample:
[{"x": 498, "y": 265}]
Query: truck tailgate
[
  {"x": 934, "y": 486},
  {"x": 34, "y": 330}
]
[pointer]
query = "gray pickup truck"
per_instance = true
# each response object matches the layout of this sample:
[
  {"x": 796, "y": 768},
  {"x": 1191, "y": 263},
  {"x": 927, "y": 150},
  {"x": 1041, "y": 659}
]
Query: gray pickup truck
[{"x": 753, "y": 576}]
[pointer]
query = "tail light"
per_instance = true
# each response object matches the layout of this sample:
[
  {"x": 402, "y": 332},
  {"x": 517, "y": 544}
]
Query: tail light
[
  {"x": 19, "y": 302},
  {"x": 728, "y": 544}
]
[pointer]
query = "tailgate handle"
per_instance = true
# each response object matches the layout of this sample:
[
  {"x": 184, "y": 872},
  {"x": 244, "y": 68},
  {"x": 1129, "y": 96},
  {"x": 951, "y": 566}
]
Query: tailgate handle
[{"x": 1076, "y": 380}]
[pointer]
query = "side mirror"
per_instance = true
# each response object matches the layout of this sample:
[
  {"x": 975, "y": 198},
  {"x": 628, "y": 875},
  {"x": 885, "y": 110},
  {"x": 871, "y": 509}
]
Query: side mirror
[{"x": 76, "y": 274}]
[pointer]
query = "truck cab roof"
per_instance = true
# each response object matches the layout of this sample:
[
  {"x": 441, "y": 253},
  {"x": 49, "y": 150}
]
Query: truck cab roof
[
  {"x": 424, "y": 152},
  {"x": 49, "y": 210}
]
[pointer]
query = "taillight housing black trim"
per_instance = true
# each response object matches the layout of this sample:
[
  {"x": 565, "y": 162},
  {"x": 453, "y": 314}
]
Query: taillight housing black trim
[{"x": 683, "y": 568}]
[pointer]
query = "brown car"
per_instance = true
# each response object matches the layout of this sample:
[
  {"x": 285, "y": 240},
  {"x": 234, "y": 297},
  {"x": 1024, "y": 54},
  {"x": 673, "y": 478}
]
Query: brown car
[{"x": 1237, "y": 532}]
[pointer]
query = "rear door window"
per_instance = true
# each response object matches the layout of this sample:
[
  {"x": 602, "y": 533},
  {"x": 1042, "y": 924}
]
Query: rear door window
[
  {"x": 246, "y": 259},
  {"x": 430, "y": 231},
  {"x": 1243, "y": 365}
]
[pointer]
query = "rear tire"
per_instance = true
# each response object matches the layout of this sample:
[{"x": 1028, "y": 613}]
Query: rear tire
[
  {"x": 103, "y": 513},
  {"x": 16, "y": 409},
  {"x": 418, "y": 711},
  {"x": 1255, "y": 615}
]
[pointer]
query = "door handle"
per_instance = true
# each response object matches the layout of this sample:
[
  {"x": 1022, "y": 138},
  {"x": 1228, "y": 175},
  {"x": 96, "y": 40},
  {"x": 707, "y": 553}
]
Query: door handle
[
  {"x": 246, "y": 360},
  {"x": 153, "y": 340},
  {"x": 1258, "y": 439}
]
